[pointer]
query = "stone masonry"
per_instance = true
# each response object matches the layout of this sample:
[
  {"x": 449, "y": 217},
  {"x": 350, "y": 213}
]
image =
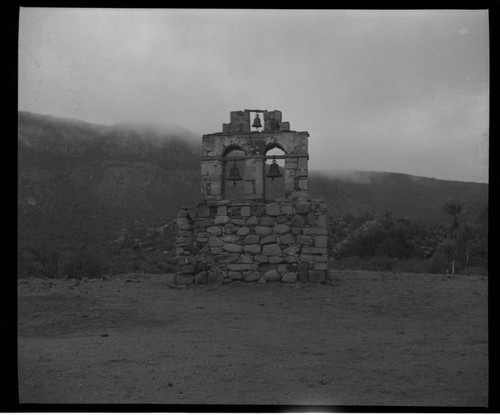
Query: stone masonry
[
  {"x": 237, "y": 136},
  {"x": 253, "y": 238}
]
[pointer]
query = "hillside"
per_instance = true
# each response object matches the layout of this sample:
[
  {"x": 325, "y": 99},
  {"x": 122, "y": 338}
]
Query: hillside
[
  {"x": 417, "y": 198},
  {"x": 81, "y": 183}
]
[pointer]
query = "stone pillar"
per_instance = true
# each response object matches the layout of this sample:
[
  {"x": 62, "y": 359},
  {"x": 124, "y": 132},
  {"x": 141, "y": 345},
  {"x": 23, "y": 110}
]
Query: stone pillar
[
  {"x": 301, "y": 178},
  {"x": 259, "y": 178},
  {"x": 211, "y": 179},
  {"x": 240, "y": 121},
  {"x": 290, "y": 174}
]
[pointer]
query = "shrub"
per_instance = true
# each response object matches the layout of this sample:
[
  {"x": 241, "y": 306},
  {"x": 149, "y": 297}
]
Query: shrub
[
  {"x": 477, "y": 271},
  {"x": 85, "y": 263},
  {"x": 438, "y": 263},
  {"x": 381, "y": 263},
  {"x": 119, "y": 266},
  {"x": 394, "y": 245},
  {"x": 381, "y": 236},
  {"x": 157, "y": 263},
  {"x": 414, "y": 265},
  {"x": 351, "y": 262},
  {"x": 46, "y": 260}
]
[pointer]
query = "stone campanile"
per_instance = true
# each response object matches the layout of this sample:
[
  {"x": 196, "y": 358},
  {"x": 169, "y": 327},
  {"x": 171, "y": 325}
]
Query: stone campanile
[
  {"x": 249, "y": 151},
  {"x": 255, "y": 222}
]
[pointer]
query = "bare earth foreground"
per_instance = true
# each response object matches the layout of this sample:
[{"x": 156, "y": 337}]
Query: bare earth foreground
[{"x": 371, "y": 339}]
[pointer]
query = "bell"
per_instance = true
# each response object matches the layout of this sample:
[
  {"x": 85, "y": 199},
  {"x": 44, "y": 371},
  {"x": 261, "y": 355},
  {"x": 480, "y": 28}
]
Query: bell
[
  {"x": 234, "y": 174},
  {"x": 256, "y": 122},
  {"x": 274, "y": 170}
]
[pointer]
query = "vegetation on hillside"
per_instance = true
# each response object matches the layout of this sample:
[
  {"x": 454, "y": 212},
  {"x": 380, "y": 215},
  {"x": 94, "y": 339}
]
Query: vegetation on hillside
[
  {"x": 97, "y": 199},
  {"x": 386, "y": 243}
]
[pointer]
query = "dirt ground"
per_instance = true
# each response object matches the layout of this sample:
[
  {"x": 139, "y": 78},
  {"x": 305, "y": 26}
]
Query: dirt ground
[{"x": 370, "y": 339}]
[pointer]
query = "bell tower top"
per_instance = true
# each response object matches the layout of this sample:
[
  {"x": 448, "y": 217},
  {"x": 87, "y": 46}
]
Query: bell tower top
[
  {"x": 240, "y": 121},
  {"x": 255, "y": 160}
]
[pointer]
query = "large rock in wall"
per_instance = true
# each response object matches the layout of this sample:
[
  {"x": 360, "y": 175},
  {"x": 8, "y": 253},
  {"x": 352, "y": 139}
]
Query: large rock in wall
[{"x": 224, "y": 241}]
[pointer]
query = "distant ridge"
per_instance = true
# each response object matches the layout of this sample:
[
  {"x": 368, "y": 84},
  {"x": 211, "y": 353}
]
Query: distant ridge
[
  {"x": 415, "y": 197},
  {"x": 368, "y": 175},
  {"x": 160, "y": 130}
]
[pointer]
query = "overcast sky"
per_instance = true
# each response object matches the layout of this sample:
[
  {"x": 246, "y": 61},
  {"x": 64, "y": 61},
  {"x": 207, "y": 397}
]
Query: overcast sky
[{"x": 399, "y": 91}]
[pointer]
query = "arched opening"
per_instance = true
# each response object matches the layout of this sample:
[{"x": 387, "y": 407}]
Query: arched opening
[
  {"x": 274, "y": 172},
  {"x": 234, "y": 173}
]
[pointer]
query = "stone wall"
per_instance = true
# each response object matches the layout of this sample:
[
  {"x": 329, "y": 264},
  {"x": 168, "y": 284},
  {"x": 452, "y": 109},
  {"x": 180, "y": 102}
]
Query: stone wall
[{"x": 279, "y": 241}]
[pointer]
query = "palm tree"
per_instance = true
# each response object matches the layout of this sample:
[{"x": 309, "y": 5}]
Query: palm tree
[{"x": 457, "y": 234}]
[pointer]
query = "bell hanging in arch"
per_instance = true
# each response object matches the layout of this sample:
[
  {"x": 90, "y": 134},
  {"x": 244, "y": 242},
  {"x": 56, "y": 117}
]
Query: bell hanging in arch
[
  {"x": 274, "y": 170},
  {"x": 234, "y": 174},
  {"x": 256, "y": 122}
]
